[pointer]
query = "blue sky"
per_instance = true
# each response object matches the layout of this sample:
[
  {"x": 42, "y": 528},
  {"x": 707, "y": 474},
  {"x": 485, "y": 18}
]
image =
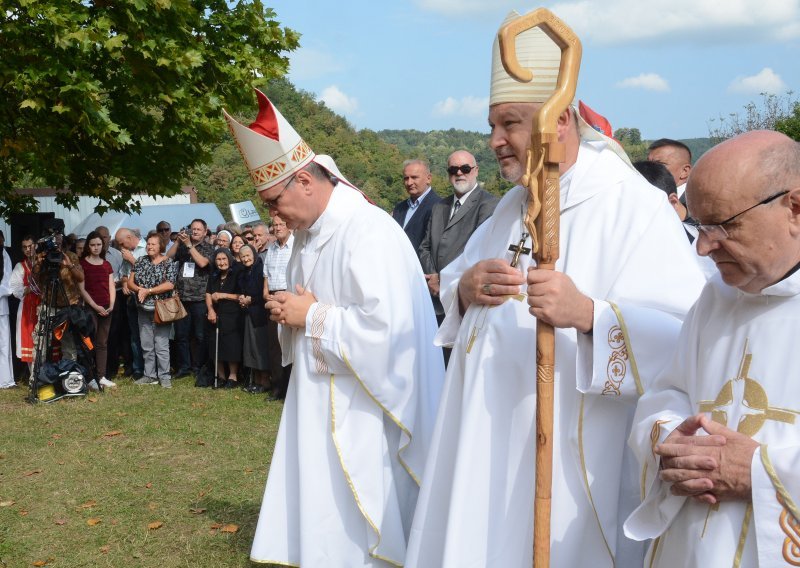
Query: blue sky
[{"x": 665, "y": 67}]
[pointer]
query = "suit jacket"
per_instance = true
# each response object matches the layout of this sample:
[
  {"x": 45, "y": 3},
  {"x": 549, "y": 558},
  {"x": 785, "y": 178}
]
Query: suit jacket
[
  {"x": 418, "y": 224},
  {"x": 446, "y": 238}
]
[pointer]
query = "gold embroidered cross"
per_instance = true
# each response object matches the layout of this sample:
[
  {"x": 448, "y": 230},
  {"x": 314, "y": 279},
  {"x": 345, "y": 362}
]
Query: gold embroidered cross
[{"x": 747, "y": 402}]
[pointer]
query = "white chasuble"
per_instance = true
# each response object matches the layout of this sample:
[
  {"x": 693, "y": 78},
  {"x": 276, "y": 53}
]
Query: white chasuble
[
  {"x": 624, "y": 247},
  {"x": 363, "y": 393},
  {"x": 736, "y": 361}
]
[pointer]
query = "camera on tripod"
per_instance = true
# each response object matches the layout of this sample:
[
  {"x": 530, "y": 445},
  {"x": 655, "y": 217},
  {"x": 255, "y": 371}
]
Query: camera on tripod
[{"x": 50, "y": 244}]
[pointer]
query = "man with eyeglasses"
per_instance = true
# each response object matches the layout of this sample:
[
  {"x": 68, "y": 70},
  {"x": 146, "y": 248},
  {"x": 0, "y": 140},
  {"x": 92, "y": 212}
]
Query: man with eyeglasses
[
  {"x": 718, "y": 434},
  {"x": 414, "y": 213},
  {"x": 164, "y": 230},
  {"x": 453, "y": 220},
  {"x": 357, "y": 325},
  {"x": 275, "y": 264},
  {"x": 624, "y": 280}
]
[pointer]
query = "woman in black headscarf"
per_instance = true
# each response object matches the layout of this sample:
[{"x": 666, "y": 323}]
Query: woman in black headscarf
[
  {"x": 251, "y": 290},
  {"x": 226, "y": 315}
]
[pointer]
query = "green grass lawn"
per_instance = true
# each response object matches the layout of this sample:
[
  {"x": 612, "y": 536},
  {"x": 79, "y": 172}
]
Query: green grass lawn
[{"x": 83, "y": 481}]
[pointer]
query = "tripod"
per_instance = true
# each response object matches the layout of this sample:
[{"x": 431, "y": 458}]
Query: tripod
[{"x": 46, "y": 326}]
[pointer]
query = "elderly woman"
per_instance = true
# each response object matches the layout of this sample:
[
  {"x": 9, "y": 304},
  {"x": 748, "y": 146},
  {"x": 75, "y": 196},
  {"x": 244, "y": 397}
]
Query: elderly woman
[
  {"x": 224, "y": 312},
  {"x": 251, "y": 286},
  {"x": 224, "y": 239},
  {"x": 153, "y": 278}
]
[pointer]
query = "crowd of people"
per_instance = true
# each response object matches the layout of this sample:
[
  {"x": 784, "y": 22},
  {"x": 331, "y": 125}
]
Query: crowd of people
[{"x": 223, "y": 278}]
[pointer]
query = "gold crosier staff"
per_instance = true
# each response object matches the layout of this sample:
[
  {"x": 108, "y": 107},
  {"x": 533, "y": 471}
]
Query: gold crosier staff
[{"x": 542, "y": 222}]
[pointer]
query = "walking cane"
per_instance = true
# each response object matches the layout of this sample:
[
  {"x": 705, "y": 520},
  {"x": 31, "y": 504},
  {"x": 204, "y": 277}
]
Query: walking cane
[
  {"x": 542, "y": 221},
  {"x": 216, "y": 352}
]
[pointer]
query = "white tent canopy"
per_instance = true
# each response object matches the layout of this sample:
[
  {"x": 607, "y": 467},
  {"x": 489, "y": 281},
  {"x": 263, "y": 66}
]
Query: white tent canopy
[{"x": 178, "y": 215}]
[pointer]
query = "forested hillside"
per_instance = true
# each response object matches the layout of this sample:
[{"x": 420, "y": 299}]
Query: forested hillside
[{"x": 371, "y": 160}]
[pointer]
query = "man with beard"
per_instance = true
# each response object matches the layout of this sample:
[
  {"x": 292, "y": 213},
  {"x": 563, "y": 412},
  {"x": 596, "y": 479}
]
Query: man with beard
[
  {"x": 623, "y": 282},
  {"x": 453, "y": 220}
]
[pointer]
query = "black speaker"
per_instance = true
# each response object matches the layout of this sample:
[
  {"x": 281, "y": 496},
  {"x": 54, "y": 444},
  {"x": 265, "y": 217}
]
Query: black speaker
[{"x": 22, "y": 224}]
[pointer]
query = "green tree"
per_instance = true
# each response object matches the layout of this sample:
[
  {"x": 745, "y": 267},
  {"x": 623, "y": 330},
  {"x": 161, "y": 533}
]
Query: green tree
[
  {"x": 111, "y": 98},
  {"x": 791, "y": 124},
  {"x": 781, "y": 113},
  {"x": 632, "y": 143}
]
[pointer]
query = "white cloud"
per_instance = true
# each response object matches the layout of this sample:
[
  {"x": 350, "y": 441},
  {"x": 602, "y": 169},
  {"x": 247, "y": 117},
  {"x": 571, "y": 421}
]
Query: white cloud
[
  {"x": 307, "y": 63},
  {"x": 694, "y": 21},
  {"x": 337, "y": 101},
  {"x": 646, "y": 81},
  {"x": 765, "y": 81},
  {"x": 463, "y": 7},
  {"x": 466, "y": 106}
]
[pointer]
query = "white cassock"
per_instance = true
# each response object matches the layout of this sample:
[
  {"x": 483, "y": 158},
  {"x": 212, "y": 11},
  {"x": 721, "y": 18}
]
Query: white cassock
[
  {"x": 736, "y": 361},
  {"x": 6, "y": 363},
  {"x": 622, "y": 245},
  {"x": 360, "y": 410}
]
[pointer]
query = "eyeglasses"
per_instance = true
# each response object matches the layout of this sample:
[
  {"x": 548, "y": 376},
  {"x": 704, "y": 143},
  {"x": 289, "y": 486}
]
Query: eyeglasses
[
  {"x": 464, "y": 169},
  {"x": 716, "y": 231},
  {"x": 270, "y": 203},
  {"x": 164, "y": 230},
  {"x": 250, "y": 238}
]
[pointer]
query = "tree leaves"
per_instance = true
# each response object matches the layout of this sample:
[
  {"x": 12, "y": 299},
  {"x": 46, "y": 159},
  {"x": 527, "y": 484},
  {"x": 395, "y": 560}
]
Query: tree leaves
[{"x": 111, "y": 99}]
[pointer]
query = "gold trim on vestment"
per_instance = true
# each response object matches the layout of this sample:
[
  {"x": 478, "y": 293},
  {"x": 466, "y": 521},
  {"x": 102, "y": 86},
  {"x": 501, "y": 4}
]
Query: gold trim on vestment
[
  {"x": 391, "y": 416},
  {"x": 586, "y": 481},
  {"x": 629, "y": 347},
  {"x": 791, "y": 528},
  {"x": 654, "y": 550},
  {"x": 748, "y": 512},
  {"x": 654, "y": 436},
  {"x": 350, "y": 483},
  {"x": 788, "y": 502},
  {"x": 278, "y": 562}
]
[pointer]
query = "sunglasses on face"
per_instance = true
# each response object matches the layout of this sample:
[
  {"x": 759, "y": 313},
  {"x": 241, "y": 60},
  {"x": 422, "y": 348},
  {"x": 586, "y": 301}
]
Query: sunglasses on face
[
  {"x": 250, "y": 238},
  {"x": 165, "y": 230},
  {"x": 464, "y": 169}
]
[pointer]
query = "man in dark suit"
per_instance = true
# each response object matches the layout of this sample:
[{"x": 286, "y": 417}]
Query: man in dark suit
[
  {"x": 413, "y": 213},
  {"x": 453, "y": 221}
]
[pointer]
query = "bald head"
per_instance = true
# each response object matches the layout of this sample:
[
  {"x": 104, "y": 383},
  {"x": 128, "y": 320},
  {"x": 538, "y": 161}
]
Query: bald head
[
  {"x": 752, "y": 182},
  {"x": 126, "y": 239}
]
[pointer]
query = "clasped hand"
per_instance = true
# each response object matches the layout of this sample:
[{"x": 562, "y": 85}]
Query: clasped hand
[
  {"x": 709, "y": 468},
  {"x": 290, "y": 309}
]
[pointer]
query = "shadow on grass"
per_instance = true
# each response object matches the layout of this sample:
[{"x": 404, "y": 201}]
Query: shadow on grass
[{"x": 243, "y": 514}]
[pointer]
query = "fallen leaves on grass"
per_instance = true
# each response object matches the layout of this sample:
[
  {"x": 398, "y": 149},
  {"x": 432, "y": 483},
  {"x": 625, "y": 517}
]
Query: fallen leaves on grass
[
  {"x": 231, "y": 528},
  {"x": 92, "y": 399},
  {"x": 105, "y": 549},
  {"x": 197, "y": 510},
  {"x": 94, "y": 521},
  {"x": 112, "y": 434},
  {"x": 7, "y": 503},
  {"x": 155, "y": 525},
  {"x": 40, "y": 563},
  {"x": 89, "y": 504},
  {"x": 204, "y": 492},
  {"x": 60, "y": 522},
  {"x": 23, "y": 513},
  {"x": 33, "y": 472},
  {"x": 148, "y": 485},
  {"x": 56, "y": 436}
]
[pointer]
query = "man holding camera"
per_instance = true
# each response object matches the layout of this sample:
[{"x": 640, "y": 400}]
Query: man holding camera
[
  {"x": 193, "y": 253},
  {"x": 53, "y": 261}
]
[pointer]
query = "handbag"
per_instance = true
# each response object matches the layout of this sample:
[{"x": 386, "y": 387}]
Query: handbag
[{"x": 169, "y": 310}]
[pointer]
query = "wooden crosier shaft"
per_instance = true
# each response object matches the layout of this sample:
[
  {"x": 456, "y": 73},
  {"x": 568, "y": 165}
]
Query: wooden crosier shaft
[{"x": 542, "y": 222}]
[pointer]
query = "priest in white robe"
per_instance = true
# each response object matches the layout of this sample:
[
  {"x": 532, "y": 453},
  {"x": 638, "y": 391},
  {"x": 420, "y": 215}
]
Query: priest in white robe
[
  {"x": 626, "y": 279},
  {"x": 718, "y": 435},
  {"x": 357, "y": 324},
  {"x": 6, "y": 362}
]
